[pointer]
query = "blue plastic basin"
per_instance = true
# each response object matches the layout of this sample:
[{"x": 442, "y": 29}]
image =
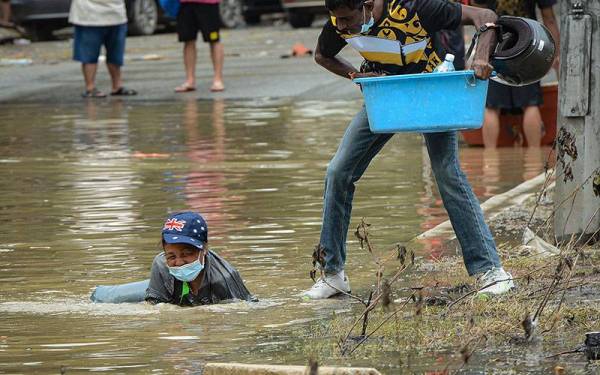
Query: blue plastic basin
[{"x": 429, "y": 102}]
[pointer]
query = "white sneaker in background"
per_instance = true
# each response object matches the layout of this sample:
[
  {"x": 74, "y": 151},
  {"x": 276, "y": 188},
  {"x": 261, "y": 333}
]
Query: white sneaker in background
[
  {"x": 497, "y": 280},
  {"x": 329, "y": 286}
]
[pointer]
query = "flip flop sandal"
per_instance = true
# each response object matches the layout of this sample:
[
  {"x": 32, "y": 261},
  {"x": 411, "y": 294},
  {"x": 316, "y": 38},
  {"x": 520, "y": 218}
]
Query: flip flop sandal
[
  {"x": 95, "y": 93},
  {"x": 184, "y": 88},
  {"x": 13, "y": 26},
  {"x": 122, "y": 91}
]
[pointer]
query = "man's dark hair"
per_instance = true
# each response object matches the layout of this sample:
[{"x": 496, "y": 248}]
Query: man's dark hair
[{"x": 332, "y": 5}]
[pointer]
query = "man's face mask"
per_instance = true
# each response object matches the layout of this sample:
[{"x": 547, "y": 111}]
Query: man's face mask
[
  {"x": 366, "y": 25},
  {"x": 187, "y": 272}
]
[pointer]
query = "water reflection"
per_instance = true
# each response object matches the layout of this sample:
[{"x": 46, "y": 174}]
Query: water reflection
[
  {"x": 487, "y": 168},
  {"x": 87, "y": 189},
  {"x": 205, "y": 184},
  {"x": 101, "y": 179}
]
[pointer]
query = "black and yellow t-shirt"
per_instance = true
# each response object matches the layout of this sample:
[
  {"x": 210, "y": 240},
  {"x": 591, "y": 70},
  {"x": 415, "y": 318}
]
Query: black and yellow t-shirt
[{"x": 403, "y": 41}]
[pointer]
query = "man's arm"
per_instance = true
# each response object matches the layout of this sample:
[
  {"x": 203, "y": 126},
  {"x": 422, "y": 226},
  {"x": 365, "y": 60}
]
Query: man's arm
[
  {"x": 328, "y": 47},
  {"x": 335, "y": 64},
  {"x": 157, "y": 291},
  {"x": 486, "y": 42},
  {"x": 549, "y": 20}
]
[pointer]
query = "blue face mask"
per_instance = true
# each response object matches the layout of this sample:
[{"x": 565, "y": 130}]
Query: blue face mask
[
  {"x": 187, "y": 272},
  {"x": 366, "y": 26}
]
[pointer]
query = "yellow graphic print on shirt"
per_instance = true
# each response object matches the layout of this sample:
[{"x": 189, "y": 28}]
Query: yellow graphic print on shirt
[{"x": 401, "y": 39}]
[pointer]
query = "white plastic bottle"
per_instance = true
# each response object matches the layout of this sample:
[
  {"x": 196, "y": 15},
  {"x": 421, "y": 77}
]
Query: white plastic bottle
[{"x": 447, "y": 65}]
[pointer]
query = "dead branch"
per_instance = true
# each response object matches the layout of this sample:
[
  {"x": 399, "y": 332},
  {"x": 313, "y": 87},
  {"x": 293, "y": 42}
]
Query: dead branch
[
  {"x": 385, "y": 320},
  {"x": 542, "y": 192},
  {"x": 578, "y": 350}
]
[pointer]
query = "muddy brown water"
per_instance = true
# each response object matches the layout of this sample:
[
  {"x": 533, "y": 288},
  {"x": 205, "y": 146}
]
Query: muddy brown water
[{"x": 85, "y": 189}]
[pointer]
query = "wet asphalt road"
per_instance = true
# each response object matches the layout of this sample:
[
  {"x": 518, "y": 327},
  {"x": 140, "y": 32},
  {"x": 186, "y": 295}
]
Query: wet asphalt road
[{"x": 254, "y": 68}]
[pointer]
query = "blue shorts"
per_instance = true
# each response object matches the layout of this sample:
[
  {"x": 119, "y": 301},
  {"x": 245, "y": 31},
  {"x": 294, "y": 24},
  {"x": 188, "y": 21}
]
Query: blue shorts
[{"x": 89, "y": 40}]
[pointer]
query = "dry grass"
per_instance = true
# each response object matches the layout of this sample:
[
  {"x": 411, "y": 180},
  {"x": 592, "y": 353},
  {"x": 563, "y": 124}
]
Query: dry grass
[{"x": 433, "y": 321}]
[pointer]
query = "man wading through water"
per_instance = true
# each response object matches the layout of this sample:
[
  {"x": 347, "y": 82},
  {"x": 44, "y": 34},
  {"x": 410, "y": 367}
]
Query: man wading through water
[{"x": 370, "y": 26}]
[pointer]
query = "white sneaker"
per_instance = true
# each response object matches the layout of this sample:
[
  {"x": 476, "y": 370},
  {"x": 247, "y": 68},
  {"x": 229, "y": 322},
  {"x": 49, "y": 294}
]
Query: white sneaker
[
  {"x": 499, "y": 282},
  {"x": 329, "y": 286}
]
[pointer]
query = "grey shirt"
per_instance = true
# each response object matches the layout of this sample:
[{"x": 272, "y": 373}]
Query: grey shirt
[
  {"x": 98, "y": 12},
  {"x": 221, "y": 282}
]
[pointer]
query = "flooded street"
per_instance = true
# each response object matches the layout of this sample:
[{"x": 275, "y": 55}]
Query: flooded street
[{"x": 85, "y": 189}]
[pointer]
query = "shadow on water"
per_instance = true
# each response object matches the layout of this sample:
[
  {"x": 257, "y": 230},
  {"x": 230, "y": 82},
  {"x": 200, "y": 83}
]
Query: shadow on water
[{"x": 85, "y": 190}]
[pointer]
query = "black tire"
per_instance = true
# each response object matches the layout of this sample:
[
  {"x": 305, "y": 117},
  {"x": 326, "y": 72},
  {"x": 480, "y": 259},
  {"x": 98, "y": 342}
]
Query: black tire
[
  {"x": 299, "y": 18},
  {"x": 144, "y": 17},
  {"x": 231, "y": 13},
  {"x": 252, "y": 18},
  {"x": 39, "y": 32}
]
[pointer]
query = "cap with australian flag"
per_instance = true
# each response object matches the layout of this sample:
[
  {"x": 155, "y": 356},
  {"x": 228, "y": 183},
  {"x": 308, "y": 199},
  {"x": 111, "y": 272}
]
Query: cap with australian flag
[{"x": 186, "y": 227}]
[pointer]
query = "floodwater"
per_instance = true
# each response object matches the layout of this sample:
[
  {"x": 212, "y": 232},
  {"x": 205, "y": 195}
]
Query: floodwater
[{"x": 85, "y": 189}]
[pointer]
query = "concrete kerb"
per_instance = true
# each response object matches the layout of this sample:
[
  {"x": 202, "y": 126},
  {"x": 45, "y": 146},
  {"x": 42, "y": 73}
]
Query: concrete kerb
[
  {"x": 247, "y": 369},
  {"x": 494, "y": 205}
]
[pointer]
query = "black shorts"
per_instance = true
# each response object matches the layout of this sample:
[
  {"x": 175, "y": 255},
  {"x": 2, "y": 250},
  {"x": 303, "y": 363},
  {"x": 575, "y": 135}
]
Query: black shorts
[
  {"x": 194, "y": 17},
  {"x": 513, "y": 98}
]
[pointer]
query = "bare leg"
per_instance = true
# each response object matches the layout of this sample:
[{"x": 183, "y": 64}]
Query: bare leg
[
  {"x": 115, "y": 76},
  {"x": 532, "y": 126},
  {"x": 189, "y": 62},
  {"x": 217, "y": 56},
  {"x": 5, "y": 9},
  {"x": 89, "y": 75},
  {"x": 491, "y": 127}
]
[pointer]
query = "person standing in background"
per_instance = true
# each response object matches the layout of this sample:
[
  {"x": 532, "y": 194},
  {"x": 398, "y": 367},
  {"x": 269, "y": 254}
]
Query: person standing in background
[
  {"x": 98, "y": 23},
  {"x": 203, "y": 16},
  {"x": 526, "y": 98}
]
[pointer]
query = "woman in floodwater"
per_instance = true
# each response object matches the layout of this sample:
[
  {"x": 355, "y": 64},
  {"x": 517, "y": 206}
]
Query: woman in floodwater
[{"x": 187, "y": 273}]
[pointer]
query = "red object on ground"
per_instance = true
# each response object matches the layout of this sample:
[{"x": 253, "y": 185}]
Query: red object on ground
[
  {"x": 300, "y": 49},
  {"x": 511, "y": 126}
]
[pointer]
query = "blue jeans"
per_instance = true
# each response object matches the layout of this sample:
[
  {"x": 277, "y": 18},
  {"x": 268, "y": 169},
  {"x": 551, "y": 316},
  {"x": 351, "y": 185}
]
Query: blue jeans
[
  {"x": 89, "y": 40},
  {"x": 356, "y": 150}
]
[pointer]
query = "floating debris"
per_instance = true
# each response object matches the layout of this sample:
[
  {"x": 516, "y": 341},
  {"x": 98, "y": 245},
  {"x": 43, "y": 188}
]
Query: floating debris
[{"x": 15, "y": 62}]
